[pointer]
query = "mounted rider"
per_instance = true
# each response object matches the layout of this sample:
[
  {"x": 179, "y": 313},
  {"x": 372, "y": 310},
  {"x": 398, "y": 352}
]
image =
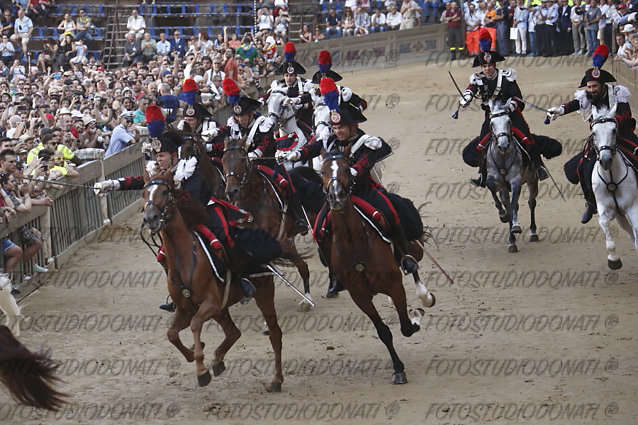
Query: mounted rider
[
  {"x": 260, "y": 141},
  {"x": 296, "y": 88},
  {"x": 197, "y": 118},
  {"x": 496, "y": 84},
  {"x": 247, "y": 248},
  {"x": 598, "y": 93},
  {"x": 363, "y": 151}
]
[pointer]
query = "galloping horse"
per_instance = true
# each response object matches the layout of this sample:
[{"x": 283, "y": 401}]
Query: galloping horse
[
  {"x": 364, "y": 262},
  {"x": 211, "y": 172},
  {"x": 199, "y": 292},
  {"x": 27, "y": 375},
  {"x": 614, "y": 183},
  {"x": 507, "y": 172},
  {"x": 283, "y": 118},
  {"x": 252, "y": 191}
]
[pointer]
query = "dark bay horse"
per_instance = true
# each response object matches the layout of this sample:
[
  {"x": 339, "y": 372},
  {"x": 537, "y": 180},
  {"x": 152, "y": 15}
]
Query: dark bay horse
[
  {"x": 193, "y": 146},
  {"x": 252, "y": 191},
  {"x": 363, "y": 262},
  {"x": 27, "y": 375},
  {"x": 198, "y": 292}
]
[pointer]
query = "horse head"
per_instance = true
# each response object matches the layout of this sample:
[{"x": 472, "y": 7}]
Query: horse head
[
  {"x": 501, "y": 125},
  {"x": 236, "y": 166},
  {"x": 277, "y": 111},
  {"x": 604, "y": 128},
  {"x": 336, "y": 180},
  {"x": 158, "y": 200},
  {"x": 321, "y": 120},
  {"x": 190, "y": 147}
]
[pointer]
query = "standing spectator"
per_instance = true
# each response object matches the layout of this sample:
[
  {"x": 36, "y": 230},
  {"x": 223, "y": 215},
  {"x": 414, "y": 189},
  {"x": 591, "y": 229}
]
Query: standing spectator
[
  {"x": 136, "y": 25},
  {"x": 67, "y": 26},
  {"x": 178, "y": 45},
  {"x": 204, "y": 44},
  {"x": 431, "y": 8},
  {"x": 347, "y": 24},
  {"x": 7, "y": 50},
  {"x": 377, "y": 21},
  {"x": 132, "y": 52},
  {"x": 578, "y": 34},
  {"x": 231, "y": 69},
  {"x": 592, "y": 17},
  {"x": 163, "y": 45},
  {"x": 521, "y": 16},
  {"x": 23, "y": 27},
  {"x": 361, "y": 22},
  {"x": 140, "y": 112},
  {"x": 489, "y": 22},
  {"x": 410, "y": 12},
  {"x": 531, "y": 30},
  {"x": 623, "y": 46},
  {"x": 305, "y": 36},
  {"x": 38, "y": 11},
  {"x": 502, "y": 28},
  {"x": 6, "y": 23},
  {"x": 123, "y": 134},
  {"x": 394, "y": 18},
  {"x": 148, "y": 47},
  {"x": 333, "y": 24},
  {"x": 452, "y": 18},
  {"x": 563, "y": 29},
  {"x": 472, "y": 25},
  {"x": 83, "y": 26}
]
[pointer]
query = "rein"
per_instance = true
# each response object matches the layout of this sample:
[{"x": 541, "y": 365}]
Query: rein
[{"x": 244, "y": 177}]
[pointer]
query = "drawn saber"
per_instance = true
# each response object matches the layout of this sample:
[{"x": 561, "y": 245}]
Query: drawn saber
[
  {"x": 277, "y": 273},
  {"x": 54, "y": 182},
  {"x": 455, "y": 115},
  {"x": 531, "y": 105}
]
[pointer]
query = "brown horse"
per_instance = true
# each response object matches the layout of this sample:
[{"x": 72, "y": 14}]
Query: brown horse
[
  {"x": 193, "y": 146},
  {"x": 27, "y": 375},
  {"x": 363, "y": 262},
  {"x": 198, "y": 293},
  {"x": 252, "y": 191}
]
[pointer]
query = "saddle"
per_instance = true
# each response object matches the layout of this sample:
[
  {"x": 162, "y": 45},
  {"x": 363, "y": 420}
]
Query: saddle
[{"x": 630, "y": 150}]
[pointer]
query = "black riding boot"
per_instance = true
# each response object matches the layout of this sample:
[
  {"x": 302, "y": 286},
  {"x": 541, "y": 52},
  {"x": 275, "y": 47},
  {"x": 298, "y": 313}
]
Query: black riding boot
[
  {"x": 295, "y": 207},
  {"x": 168, "y": 305},
  {"x": 407, "y": 263},
  {"x": 239, "y": 268},
  {"x": 334, "y": 287},
  {"x": 590, "y": 206},
  {"x": 482, "y": 177},
  {"x": 541, "y": 171}
]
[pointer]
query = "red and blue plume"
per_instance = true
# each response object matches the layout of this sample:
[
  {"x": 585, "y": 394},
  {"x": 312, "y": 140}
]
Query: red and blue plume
[
  {"x": 189, "y": 91},
  {"x": 485, "y": 40},
  {"x": 289, "y": 52},
  {"x": 330, "y": 93},
  {"x": 600, "y": 55},
  {"x": 325, "y": 61},
  {"x": 154, "y": 121},
  {"x": 231, "y": 90}
]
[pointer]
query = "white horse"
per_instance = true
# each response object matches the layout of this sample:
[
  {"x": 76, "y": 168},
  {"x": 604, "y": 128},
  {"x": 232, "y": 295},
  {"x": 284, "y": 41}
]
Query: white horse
[
  {"x": 614, "y": 183},
  {"x": 506, "y": 172},
  {"x": 283, "y": 117},
  {"x": 8, "y": 305}
]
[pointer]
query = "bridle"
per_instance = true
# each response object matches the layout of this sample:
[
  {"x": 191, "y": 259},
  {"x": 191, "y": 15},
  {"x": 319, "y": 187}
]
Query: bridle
[
  {"x": 503, "y": 133},
  {"x": 243, "y": 178},
  {"x": 612, "y": 148},
  {"x": 610, "y": 185},
  {"x": 280, "y": 121},
  {"x": 165, "y": 216},
  {"x": 334, "y": 178}
]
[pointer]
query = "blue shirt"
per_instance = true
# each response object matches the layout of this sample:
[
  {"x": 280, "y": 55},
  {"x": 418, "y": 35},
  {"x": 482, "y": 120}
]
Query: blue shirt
[{"x": 120, "y": 139}]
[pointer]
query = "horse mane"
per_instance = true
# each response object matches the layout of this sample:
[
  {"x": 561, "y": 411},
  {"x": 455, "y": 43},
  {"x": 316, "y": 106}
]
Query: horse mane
[
  {"x": 192, "y": 211},
  {"x": 28, "y": 376}
]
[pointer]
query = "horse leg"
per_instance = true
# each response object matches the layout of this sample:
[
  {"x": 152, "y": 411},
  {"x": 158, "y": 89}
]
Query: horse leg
[
  {"x": 207, "y": 309},
  {"x": 533, "y": 193},
  {"x": 604, "y": 220},
  {"x": 513, "y": 207},
  {"x": 265, "y": 299},
  {"x": 427, "y": 298},
  {"x": 623, "y": 222},
  {"x": 180, "y": 322},
  {"x": 364, "y": 302},
  {"x": 304, "y": 272},
  {"x": 505, "y": 196},
  {"x": 231, "y": 335},
  {"x": 502, "y": 212}
]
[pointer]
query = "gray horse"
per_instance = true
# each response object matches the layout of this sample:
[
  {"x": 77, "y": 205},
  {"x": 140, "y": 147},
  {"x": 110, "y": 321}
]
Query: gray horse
[{"x": 507, "y": 172}]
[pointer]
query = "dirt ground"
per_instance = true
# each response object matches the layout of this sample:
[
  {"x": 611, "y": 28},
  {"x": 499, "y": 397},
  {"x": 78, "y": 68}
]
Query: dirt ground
[{"x": 541, "y": 336}]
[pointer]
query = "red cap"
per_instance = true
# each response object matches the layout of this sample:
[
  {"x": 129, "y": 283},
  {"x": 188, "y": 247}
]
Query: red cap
[
  {"x": 189, "y": 85},
  {"x": 327, "y": 85},
  {"x": 324, "y": 58},
  {"x": 230, "y": 87}
]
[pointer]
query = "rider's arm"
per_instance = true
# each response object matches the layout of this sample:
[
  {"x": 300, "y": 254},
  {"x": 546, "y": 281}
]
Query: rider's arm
[
  {"x": 131, "y": 183},
  {"x": 215, "y": 147},
  {"x": 312, "y": 149},
  {"x": 571, "y": 106},
  {"x": 623, "y": 115}
]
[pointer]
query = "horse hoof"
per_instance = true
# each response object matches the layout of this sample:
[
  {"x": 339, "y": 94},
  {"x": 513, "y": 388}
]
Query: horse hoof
[
  {"x": 399, "y": 378},
  {"x": 516, "y": 229},
  {"x": 504, "y": 218},
  {"x": 332, "y": 294},
  {"x": 303, "y": 307},
  {"x": 430, "y": 300},
  {"x": 265, "y": 330},
  {"x": 614, "y": 265},
  {"x": 219, "y": 368},
  {"x": 512, "y": 249},
  {"x": 533, "y": 238},
  {"x": 274, "y": 387},
  {"x": 204, "y": 379}
]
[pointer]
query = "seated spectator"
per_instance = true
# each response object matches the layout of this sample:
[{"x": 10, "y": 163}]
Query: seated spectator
[
  {"x": 281, "y": 24},
  {"x": 333, "y": 24},
  {"x": 83, "y": 26},
  {"x": 247, "y": 50},
  {"x": 204, "y": 44},
  {"x": 393, "y": 19},
  {"x": 233, "y": 42},
  {"x": 140, "y": 112},
  {"x": 136, "y": 25},
  {"x": 6, "y": 23},
  {"x": 318, "y": 35},
  {"x": 347, "y": 24},
  {"x": 305, "y": 35},
  {"x": 47, "y": 55},
  {"x": 7, "y": 50},
  {"x": 631, "y": 55},
  {"x": 38, "y": 11},
  {"x": 123, "y": 135},
  {"x": 361, "y": 22},
  {"x": 623, "y": 47},
  {"x": 23, "y": 27},
  {"x": 265, "y": 19},
  {"x": 218, "y": 43},
  {"x": 67, "y": 26},
  {"x": 80, "y": 53},
  {"x": 132, "y": 52},
  {"x": 65, "y": 52},
  {"x": 163, "y": 45},
  {"x": 148, "y": 47},
  {"x": 377, "y": 21}
]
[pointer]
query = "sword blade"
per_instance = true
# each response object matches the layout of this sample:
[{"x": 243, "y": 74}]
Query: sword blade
[
  {"x": 277, "y": 273},
  {"x": 531, "y": 105}
]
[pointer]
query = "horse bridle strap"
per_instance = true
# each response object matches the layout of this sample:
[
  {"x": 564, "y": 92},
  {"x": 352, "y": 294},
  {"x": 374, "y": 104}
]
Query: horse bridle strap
[
  {"x": 243, "y": 178},
  {"x": 163, "y": 209},
  {"x": 603, "y": 120}
]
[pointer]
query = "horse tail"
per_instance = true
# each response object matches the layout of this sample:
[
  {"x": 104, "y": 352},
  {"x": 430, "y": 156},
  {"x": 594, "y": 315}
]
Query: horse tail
[{"x": 28, "y": 376}]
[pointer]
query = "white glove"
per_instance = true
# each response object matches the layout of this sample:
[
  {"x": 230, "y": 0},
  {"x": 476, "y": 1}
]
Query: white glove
[
  {"x": 254, "y": 154},
  {"x": 102, "y": 188},
  {"x": 213, "y": 132},
  {"x": 511, "y": 105},
  {"x": 631, "y": 17},
  {"x": 291, "y": 101},
  {"x": 464, "y": 101},
  {"x": 283, "y": 156},
  {"x": 555, "y": 112},
  {"x": 354, "y": 172}
]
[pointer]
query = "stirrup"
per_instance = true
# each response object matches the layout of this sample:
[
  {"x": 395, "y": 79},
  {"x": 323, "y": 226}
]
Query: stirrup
[
  {"x": 409, "y": 264},
  {"x": 248, "y": 289},
  {"x": 542, "y": 173},
  {"x": 301, "y": 226}
]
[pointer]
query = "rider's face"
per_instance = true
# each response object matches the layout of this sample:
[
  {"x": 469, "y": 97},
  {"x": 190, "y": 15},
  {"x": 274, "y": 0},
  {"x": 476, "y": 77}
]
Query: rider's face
[
  {"x": 244, "y": 120},
  {"x": 488, "y": 69},
  {"x": 594, "y": 90},
  {"x": 342, "y": 132},
  {"x": 164, "y": 160},
  {"x": 192, "y": 122},
  {"x": 290, "y": 79}
]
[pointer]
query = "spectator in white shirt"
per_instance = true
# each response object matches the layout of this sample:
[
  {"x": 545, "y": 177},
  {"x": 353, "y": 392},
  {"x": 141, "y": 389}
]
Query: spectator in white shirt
[
  {"x": 23, "y": 27},
  {"x": 624, "y": 46},
  {"x": 163, "y": 45},
  {"x": 377, "y": 22},
  {"x": 136, "y": 25},
  {"x": 393, "y": 19},
  {"x": 521, "y": 16}
]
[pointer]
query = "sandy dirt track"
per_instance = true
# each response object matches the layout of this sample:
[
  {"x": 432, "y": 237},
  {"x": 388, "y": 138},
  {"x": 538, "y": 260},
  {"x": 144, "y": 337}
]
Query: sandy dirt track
[{"x": 543, "y": 336}]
